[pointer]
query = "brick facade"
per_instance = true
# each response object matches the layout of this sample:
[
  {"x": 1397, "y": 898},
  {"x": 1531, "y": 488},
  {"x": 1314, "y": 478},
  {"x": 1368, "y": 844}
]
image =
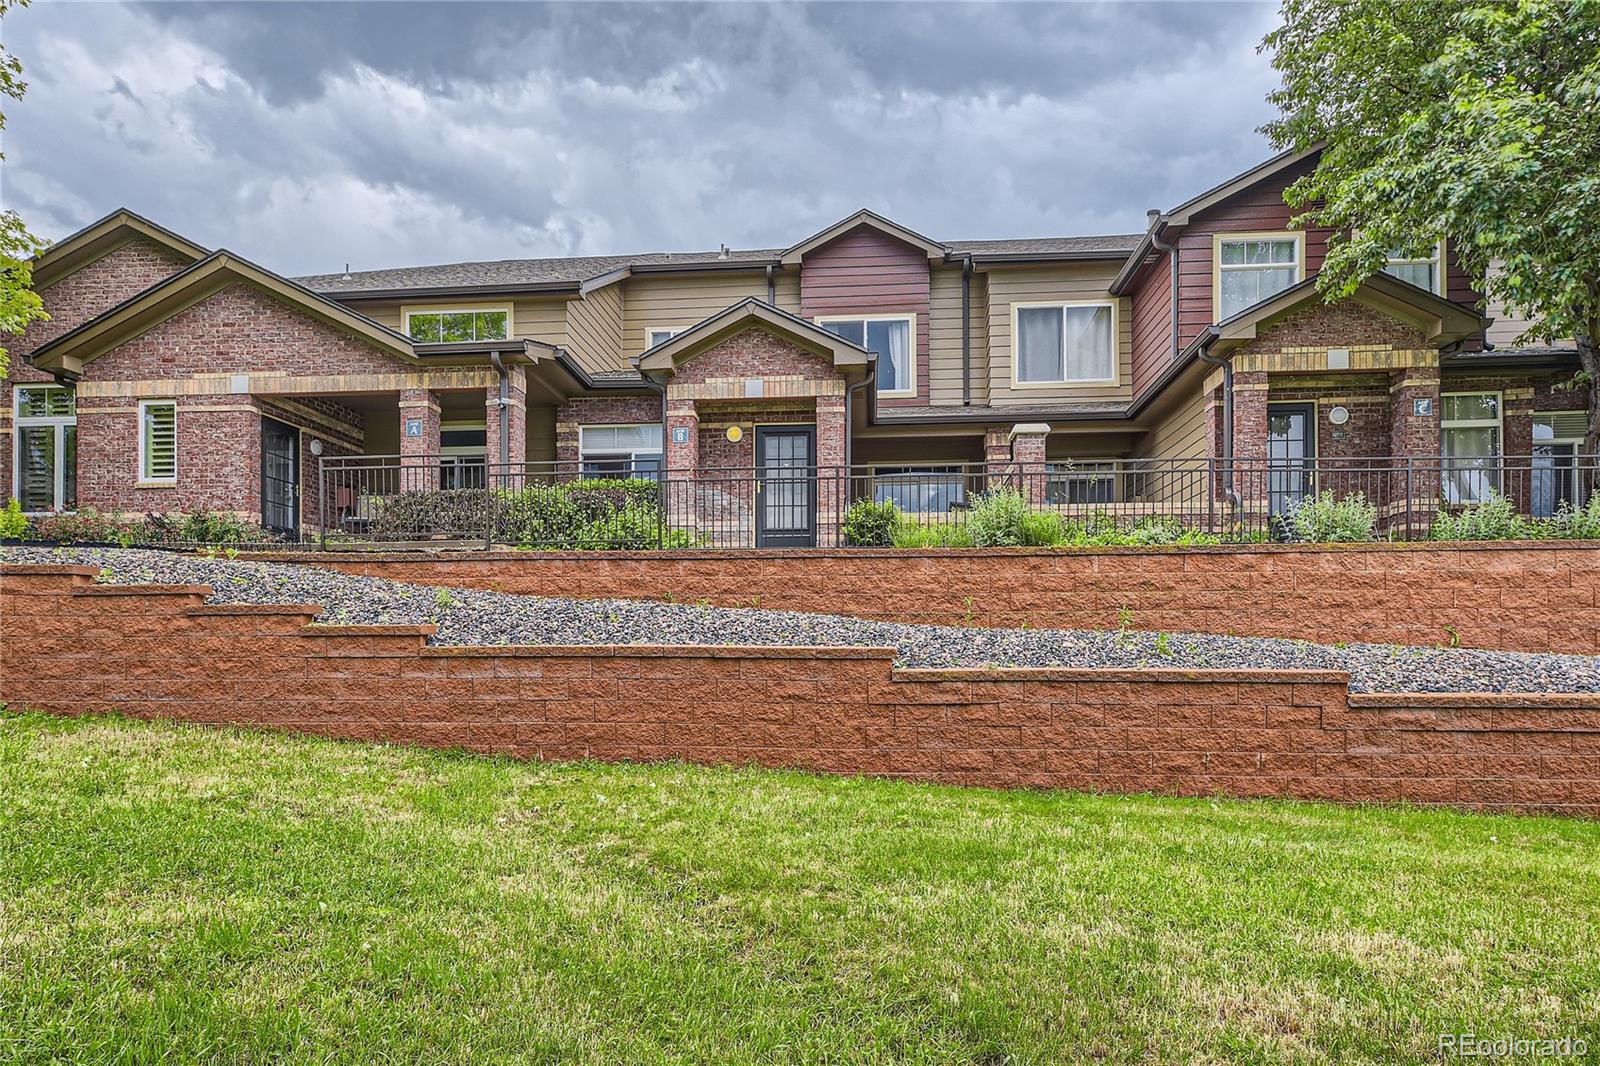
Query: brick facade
[
  {"x": 1530, "y": 597},
  {"x": 76, "y": 648}
]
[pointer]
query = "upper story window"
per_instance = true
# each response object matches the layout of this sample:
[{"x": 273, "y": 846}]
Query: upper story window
[
  {"x": 893, "y": 338},
  {"x": 655, "y": 336},
  {"x": 458, "y": 324},
  {"x": 45, "y": 462},
  {"x": 1254, "y": 267},
  {"x": 1423, "y": 273},
  {"x": 1065, "y": 344}
]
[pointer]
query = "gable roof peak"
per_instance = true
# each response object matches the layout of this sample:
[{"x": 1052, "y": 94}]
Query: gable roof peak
[
  {"x": 103, "y": 236},
  {"x": 864, "y": 217}
]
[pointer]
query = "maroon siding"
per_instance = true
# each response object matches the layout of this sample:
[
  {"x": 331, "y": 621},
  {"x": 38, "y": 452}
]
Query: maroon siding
[
  {"x": 1258, "y": 208},
  {"x": 867, "y": 272},
  {"x": 1152, "y": 323}
]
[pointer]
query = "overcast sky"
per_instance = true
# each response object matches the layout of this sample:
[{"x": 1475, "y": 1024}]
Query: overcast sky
[{"x": 391, "y": 134}]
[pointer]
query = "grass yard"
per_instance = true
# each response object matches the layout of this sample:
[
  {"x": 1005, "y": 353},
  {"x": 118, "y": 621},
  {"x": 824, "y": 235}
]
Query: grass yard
[{"x": 181, "y": 894}]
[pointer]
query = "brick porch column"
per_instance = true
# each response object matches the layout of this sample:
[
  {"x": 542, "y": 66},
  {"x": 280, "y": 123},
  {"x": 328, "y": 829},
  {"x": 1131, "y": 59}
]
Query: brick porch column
[
  {"x": 419, "y": 440},
  {"x": 1027, "y": 459},
  {"x": 516, "y": 420},
  {"x": 997, "y": 470},
  {"x": 831, "y": 474},
  {"x": 682, "y": 459},
  {"x": 1413, "y": 441},
  {"x": 1250, "y": 438}
]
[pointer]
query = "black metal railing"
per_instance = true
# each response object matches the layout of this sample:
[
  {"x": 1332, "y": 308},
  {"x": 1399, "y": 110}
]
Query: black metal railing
[{"x": 448, "y": 502}]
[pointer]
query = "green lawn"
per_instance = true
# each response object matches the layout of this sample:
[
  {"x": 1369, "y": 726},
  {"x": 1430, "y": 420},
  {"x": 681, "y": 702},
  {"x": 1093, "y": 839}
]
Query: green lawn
[{"x": 183, "y": 894}]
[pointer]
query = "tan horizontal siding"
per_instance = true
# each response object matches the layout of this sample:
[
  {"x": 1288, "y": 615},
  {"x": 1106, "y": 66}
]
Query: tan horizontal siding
[
  {"x": 540, "y": 320},
  {"x": 679, "y": 301},
  {"x": 1067, "y": 281},
  {"x": 944, "y": 338}
]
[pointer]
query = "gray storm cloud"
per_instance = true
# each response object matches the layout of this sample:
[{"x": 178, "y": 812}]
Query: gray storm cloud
[{"x": 306, "y": 136}]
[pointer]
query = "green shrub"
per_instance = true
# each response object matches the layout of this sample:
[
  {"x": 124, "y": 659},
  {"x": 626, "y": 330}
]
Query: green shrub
[
  {"x": 203, "y": 527},
  {"x": 1573, "y": 523},
  {"x": 997, "y": 518},
  {"x": 935, "y": 535},
  {"x": 13, "y": 523},
  {"x": 85, "y": 526},
  {"x": 870, "y": 525},
  {"x": 1157, "y": 530},
  {"x": 1323, "y": 519},
  {"x": 1042, "y": 529},
  {"x": 446, "y": 512},
  {"x": 1493, "y": 519}
]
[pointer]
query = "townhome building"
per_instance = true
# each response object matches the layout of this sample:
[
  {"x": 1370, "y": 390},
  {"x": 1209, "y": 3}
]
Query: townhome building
[{"x": 1190, "y": 370}]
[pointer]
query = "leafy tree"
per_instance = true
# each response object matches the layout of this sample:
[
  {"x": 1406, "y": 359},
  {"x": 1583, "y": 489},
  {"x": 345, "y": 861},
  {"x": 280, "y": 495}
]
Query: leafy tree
[
  {"x": 19, "y": 304},
  {"x": 1475, "y": 120}
]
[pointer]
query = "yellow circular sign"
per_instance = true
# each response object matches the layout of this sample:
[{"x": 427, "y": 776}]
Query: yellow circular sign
[{"x": 735, "y": 434}]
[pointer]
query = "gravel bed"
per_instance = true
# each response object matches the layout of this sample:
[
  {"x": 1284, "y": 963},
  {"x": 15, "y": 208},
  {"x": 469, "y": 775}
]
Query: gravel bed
[{"x": 466, "y": 616}]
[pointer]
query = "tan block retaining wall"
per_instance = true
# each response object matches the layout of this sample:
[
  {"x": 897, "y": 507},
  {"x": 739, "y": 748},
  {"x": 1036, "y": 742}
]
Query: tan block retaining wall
[
  {"x": 68, "y": 646},
  {"x": 1517, "y": 597}
]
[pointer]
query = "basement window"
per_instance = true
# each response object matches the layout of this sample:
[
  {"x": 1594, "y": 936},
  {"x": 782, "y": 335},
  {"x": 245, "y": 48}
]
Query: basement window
[{"x": 158, "y": 442}]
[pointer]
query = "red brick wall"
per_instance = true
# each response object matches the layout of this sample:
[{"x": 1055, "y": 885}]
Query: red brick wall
[
  {"x": 867, "y": 272},
  {"x": 1529, "y": 597},
  {"x": 73, "y": 300},
  {"x": 157, "y": 652},
  {"x": 600, "y": 411}
]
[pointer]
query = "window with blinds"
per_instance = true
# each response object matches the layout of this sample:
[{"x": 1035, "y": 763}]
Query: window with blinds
[{"x": 158, "y": 440}]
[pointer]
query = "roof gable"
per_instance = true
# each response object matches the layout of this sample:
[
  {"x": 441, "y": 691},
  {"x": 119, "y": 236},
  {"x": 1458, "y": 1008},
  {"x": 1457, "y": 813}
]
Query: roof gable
[
  {"x": 666, "y": 357},
  {"x": 933, "y": 249},
  {"x": 98, "y": 239},
  {"x": 68, "y": 353},
  {"x": 1441, "y": 321}
]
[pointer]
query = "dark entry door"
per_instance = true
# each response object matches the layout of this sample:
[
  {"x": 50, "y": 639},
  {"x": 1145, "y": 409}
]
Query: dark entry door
[
  {"x": 1291, "y": 453},
  {"x": 786, "y": 486},
  {"x": 280, "y": 477}
]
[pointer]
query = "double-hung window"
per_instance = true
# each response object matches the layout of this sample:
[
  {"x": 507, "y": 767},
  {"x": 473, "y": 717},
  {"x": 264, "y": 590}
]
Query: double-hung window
[
  {"x": 458, "y": 324},
  {"x": 1469, "y": 444},
  {"x": 658, "y": 335},
  {"x": 45, "y": 463},
  {"x": 158, "y": 442},
  {"x": 1427, "y": 273},
  {"x": 1065, "y": 344},
  {"x": 893, "y": 338},
  {"x": 620, "y": 451},
  {"x": 1252, "y": 268}
]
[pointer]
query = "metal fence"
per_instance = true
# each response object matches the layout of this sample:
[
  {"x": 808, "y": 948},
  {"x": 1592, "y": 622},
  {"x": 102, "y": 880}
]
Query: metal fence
[{"x": 445, "y": 501}]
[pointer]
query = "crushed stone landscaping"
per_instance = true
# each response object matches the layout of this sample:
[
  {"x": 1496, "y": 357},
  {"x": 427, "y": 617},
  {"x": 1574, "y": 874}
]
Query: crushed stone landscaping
[{"x": 473, "y": 617}]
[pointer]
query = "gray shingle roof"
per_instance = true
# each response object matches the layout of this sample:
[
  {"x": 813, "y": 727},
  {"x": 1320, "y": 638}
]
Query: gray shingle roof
[{"x": 511, "y": 273}]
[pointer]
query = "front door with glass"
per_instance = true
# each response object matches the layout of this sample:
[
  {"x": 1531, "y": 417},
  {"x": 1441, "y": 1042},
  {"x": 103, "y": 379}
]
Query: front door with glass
[
  {"x": 1291, "y": 454},
  {"x": 786, "y": 498},
  {"x": 280, "y": 477}
]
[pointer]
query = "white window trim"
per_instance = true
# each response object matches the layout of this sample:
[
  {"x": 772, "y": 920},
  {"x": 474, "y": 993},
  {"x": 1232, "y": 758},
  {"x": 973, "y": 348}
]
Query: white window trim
[
  {"x": 1439, "y": 282},
  {"x": 1554, "y": 440},
  {"x": 1219, "y": 239},
  {"x": 1116, "y": 346},
  {"x": 633, "y": 456},
  {"x": 141, "y": 481},
  {"x": 464, "y": 449},
  {"x": 58, "y": 422},
  {"x": 912, "y": 357},
  {"x": 407, "y": 310},
  {"x": 1498, "y": 421},
  {"x": 650, "y": 331}
]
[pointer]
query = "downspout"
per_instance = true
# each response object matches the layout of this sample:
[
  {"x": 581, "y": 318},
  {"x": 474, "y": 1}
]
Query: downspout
[
  {"x": 849, "y": 416},
  {"x": 966, "y": 331},
  {"x": 772, "y": 287},
  {"x": 1227, "y": 421},
  {"x": 504, "y": 405}
]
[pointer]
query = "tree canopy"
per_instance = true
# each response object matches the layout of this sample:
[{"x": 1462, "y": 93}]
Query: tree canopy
[
  {"x": 19, "y": 304},
  {"x": 1473, "y": 120}
]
